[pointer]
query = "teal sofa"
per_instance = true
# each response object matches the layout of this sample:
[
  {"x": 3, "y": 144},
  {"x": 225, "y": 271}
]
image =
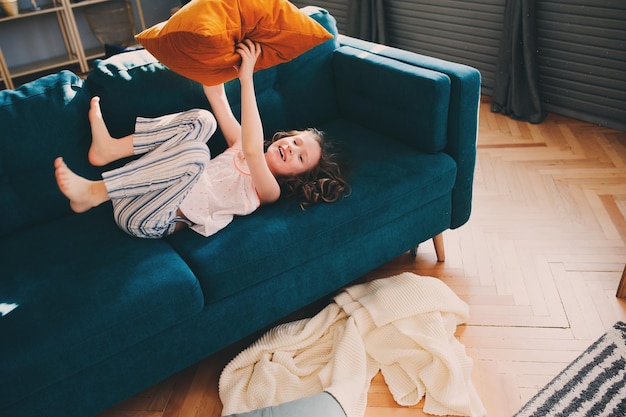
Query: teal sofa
[{"x": 90, "y": 316}]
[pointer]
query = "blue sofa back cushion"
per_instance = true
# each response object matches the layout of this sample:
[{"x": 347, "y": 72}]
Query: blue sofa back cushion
[
  {"x": 84, "y": 299},
  {"x": 133, "y": 84},
  {"x": 40, "y": 120},
  {"x": 417, "y": 116}
]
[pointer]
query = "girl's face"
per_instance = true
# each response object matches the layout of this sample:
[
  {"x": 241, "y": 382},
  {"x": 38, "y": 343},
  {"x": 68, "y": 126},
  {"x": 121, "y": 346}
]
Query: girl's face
[{"x": 293, "y": 155}]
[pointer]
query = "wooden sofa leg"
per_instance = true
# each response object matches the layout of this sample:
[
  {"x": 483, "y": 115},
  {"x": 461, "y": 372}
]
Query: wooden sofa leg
[
  {"x": 439, "y": 249},
  {"x": 621, "y": 288}
]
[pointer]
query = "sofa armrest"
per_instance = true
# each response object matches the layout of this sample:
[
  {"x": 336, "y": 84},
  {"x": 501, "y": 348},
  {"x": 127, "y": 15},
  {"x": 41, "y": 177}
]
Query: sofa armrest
[
  {"x": 462, "y": 123},
  {"x": 403, "y": 101}
]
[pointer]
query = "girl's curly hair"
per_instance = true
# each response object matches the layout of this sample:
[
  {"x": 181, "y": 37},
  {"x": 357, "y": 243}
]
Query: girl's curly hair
[{"x": 324, "y": 183}]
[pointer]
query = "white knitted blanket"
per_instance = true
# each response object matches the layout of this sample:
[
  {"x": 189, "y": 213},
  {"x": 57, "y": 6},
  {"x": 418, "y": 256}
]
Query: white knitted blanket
[{"x": 402, "y": 326}]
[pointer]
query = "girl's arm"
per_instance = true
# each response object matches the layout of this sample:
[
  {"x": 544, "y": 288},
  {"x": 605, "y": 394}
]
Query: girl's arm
[
  {"x": 230, "y": 127},
  {"x": 251, "y": 128}
]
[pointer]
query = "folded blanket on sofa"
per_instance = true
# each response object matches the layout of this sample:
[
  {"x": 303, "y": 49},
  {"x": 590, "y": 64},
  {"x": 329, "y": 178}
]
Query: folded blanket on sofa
[{"x": 402, "y": 326}]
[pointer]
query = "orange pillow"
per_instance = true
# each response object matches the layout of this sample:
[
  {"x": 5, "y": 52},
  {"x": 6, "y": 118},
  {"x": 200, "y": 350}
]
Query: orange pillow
[{"x": 199, "y": 40}]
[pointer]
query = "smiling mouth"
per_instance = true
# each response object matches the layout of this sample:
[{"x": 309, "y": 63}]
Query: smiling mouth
[{"x": 282, "y": 154}]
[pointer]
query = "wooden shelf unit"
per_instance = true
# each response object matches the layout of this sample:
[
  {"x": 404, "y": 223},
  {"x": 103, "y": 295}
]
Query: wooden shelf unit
[{"x": 76, "y": 54}]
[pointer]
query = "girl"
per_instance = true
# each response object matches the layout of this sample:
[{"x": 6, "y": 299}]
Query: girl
[{"x": 176, "y": 184}]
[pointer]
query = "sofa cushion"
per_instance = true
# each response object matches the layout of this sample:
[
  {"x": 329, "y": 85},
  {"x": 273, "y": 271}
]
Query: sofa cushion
[
  {"x": 82, "y": 291},
  {"x": 251, "y": 248},
  {"x": 417, "y": 116},
  {"x": 40, "y": 120},
  {"x": 134, "y": 84},
  {"x": 199, "y": 41}
]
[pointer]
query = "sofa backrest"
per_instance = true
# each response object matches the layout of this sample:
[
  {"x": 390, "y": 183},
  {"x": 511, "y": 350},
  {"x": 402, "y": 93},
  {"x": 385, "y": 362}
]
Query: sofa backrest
[
  {"x": 40, "y": 121},
  {"x": 136, "y": 84},
  {"x": 401, "y": 101}
]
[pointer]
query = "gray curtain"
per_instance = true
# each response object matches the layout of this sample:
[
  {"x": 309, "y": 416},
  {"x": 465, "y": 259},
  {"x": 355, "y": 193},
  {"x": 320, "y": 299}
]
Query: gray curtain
[
  {"x": 516, "y": 89},
  {"x": 366, "y": 20}
]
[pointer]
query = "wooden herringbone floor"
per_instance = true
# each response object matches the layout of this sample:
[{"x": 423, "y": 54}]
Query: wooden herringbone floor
[{"x": 538, "y": 262}]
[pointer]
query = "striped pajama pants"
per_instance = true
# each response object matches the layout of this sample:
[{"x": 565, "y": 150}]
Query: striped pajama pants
[{"x": 147, "y": 192}]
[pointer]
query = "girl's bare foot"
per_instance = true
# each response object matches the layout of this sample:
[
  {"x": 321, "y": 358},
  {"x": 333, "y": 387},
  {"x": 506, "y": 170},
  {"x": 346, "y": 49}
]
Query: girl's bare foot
[
  {"x": 104, "y": 148},
  {"x": 83, "y": 194}
]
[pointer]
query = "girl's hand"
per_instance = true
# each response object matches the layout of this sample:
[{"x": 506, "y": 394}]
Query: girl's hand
[{"x": 250, "y": 52}]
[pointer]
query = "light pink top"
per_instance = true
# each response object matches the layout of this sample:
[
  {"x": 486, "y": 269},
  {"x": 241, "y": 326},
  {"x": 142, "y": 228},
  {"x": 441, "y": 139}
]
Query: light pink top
[{"x": 224, "y": 190}]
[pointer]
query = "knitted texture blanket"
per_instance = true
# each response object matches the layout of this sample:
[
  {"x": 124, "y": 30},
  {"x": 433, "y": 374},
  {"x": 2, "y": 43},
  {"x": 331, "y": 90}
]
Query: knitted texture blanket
[{"x": 402, "y": 326}]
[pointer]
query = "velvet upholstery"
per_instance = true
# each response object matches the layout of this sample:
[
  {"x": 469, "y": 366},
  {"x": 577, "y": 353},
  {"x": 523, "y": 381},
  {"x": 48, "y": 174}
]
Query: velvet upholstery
[
  {"x": 27, "y": 192},
  {"x": 462, "y": 125},
  {"x": 378, "y": 175},
  {"x": 362, "y": 83},
  {"x": 98, "y": 315},
  {"x": 133, "y": 84},
  {"x": 67, "y": 319}
]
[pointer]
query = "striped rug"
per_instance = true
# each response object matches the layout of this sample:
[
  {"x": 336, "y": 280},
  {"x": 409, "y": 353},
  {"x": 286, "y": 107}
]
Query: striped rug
[{"x": 593, "y": 385}]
